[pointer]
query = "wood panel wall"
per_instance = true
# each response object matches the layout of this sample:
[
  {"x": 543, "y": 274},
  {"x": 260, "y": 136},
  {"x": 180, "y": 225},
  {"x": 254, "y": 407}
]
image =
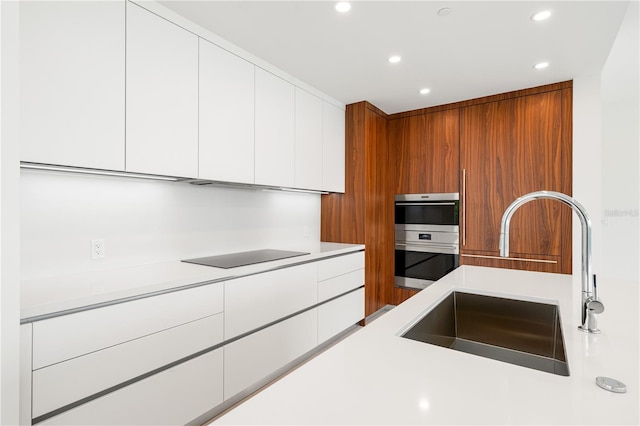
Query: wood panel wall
[
  {"x": 342, "y": 217},
  {"x": 427, "y": 151},
  {"x": 364, "y": 213},
  {"x": 418, "y": 152},
  {"x": 379, "y": 211},
  {"x": 509, "y": 148}
]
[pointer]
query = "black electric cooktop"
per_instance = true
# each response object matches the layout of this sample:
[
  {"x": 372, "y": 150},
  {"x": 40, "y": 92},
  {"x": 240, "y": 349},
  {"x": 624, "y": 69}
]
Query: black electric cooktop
[{"x": 233, "y": 260}]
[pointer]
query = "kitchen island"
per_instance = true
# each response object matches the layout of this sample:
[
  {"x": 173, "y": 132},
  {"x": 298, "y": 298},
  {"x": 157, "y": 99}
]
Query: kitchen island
[{"x": 377, "y": 377}]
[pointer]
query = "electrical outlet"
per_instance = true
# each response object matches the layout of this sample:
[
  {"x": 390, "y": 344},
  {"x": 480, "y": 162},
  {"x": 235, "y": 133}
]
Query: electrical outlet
[{"x": 98, "y": 249}]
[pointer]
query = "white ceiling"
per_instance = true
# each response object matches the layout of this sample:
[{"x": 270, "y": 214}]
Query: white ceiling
[{"x": 482, "y": 48}]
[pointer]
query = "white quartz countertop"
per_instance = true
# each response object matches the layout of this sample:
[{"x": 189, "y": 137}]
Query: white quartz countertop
[
  {"x": 45, "y": 297},
  {"x": 376, "y": 377}
]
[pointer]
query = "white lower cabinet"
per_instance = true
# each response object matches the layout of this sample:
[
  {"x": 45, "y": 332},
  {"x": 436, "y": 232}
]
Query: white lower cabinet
[
  {"x": 125, "y": 363},
  {"x": 174, "y": 397},
  {"x": 257, "y": 300},
  {"x": 252, "y": 358},
  {"x": 26, "y": 336},
  {"x": 340, "y": 314},
  {"x": 341, "y": 278},
  {"x": 69, "y": 336},
  {"x": 70, "y": 381}
]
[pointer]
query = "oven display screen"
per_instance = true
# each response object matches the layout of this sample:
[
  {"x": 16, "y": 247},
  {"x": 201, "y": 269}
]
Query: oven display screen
[{"x": 424, "y": 237}]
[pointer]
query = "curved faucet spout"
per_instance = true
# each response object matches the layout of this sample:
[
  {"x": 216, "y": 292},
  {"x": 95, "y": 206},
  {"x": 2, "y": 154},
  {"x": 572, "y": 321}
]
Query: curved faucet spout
[{"x": 589, "y": 296}]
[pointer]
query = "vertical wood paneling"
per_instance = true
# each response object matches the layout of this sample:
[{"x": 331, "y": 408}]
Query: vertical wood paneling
[
  {"x": 510, "y": 148},
  {"x": 364, "y": 213},
  {"x": 509, "y": 144},
  {"x": 379, "y": 208},
  {"x": 342, "y": 217},
  {"x": 402, "y": 294},
  {"x": 427, "y": 152}
]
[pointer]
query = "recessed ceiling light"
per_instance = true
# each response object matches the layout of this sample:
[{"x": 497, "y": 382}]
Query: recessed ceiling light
[
  {"x": 445, "y": 11},
  {"x": 424, "y": 91},
  {"x": 394, "y": 59},
  {"x": 343, "y": 6},
  {"x": 541, "y": 65},
  {"x": 541, "y": 16}
]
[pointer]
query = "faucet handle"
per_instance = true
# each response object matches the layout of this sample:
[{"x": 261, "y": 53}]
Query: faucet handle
[
  {"x": 593, "y": 303},
  {"x": 595, "y": 306}
]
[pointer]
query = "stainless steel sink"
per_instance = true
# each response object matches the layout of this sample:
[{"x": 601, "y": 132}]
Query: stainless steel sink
[{"x": 514, "y": 331}]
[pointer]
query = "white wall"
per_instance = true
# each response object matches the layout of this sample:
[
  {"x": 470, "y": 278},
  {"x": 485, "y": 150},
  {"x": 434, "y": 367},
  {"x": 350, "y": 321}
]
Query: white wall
[
  {"x": 587, "y": 113},
  {"x": 9, "y": 215},
  {"x": 620, "y": 153},
  {"x": 605, "y": 156},
  {"x": 151, "y": 221}
]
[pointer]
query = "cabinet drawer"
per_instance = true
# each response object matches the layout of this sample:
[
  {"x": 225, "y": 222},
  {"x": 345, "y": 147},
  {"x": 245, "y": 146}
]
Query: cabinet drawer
[
  {"x": 340, "y": 284},
  {"x": 173, "y": 397},
  {"x": 254, "y": 301},
  {"x": 340, "y": 265},
  {"x": 254, "y": 357},
  {"x": 340, "y": 314},
  {"x": 61, "y": 338},
  {"x": 69, "y": 381}
]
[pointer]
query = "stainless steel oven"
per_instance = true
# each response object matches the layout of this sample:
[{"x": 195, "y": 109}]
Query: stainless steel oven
[{"x": 426, "y": 238}]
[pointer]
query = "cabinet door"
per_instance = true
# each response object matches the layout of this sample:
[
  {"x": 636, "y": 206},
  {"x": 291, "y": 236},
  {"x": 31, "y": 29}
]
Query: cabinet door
[
  {"x": 256, "y": 356},
  {"x": 72, "y": 83},
  {"x": 336, "y": 316},
  {"x": 510, "y": 148},
  {"x": 173, "y": 397},
  {"x": 254, "y": 301},
  {"x": 274, "y": 130},
  {"x": 69, "y": 336},
  {"x": 226, "y": 140},
  {"x": 308, "y": 141},
  {"x": 333, "y": 148},
  {"x": 72, "y": 380},
  {"x": 428, "y": 152},
  {"x": 162, "y": 96}
]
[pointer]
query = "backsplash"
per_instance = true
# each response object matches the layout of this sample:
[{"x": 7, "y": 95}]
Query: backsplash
[{"x": 151, "y": 221}]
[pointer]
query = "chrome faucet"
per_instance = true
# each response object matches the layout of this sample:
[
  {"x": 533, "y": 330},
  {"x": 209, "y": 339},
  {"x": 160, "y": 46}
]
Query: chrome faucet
[{"x": 591, "y": 305}]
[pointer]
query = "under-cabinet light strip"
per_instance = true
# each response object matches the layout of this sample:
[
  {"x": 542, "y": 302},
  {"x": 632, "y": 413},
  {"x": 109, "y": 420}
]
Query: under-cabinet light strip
[
  {"x": 36, "y": 166},
  {"x": 81, "y": 170},
  {"x": 307, "y": 191}
]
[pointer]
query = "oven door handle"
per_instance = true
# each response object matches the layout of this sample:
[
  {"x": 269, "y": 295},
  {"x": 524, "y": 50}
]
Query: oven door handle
[
  {"x": 429, "y": 248},
  {"x": 426, "y": 204}
]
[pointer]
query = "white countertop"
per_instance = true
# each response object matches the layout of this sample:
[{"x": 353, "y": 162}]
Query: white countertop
[
  {"x": 376, "y": 377},
  {"x": 44, "y": 297}
]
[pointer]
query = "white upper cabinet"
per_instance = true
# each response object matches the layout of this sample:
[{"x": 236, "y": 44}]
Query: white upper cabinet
[
  {"x": 308, "y": 141},
  {"x": 111, "y": 85},
  {"x": 162, "y": 96},
  {"x": 333, "y": 148},
  {"x": 274, "y": 142},
  {"x": 72, "y": 83},
  {"x": 226, "y": 116}
]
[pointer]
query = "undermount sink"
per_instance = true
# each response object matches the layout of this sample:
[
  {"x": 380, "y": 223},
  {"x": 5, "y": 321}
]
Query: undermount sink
[{"x": 515, "y": 331}]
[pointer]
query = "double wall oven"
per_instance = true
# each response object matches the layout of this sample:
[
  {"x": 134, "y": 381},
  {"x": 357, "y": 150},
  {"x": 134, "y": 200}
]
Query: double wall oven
[{"x": 426, "y": 238}]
